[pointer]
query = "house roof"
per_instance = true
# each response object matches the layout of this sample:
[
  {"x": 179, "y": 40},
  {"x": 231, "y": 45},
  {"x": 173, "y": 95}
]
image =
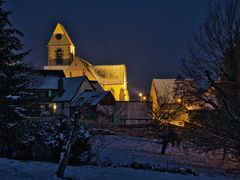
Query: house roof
[
  {"x": 70, "y": 86},
  {"x": 58, "y": 73},
  {"x": 96, "y": 86},
  {"x": 91, "y": 98},
  {"x": 164, "y": 89},
  {"x": 45, "y": 83}
]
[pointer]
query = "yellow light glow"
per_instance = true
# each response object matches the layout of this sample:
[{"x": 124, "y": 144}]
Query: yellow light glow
[
  {"x": 140, "y": 94},
  {"x": 72, "y": 49},
  {"x": 179, "y": 100},
  {"x": 144, "y": 98},
  {"x": 54, "y": 107}
]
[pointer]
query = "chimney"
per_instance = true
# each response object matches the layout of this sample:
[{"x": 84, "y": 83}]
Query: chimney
[{"x": 60, "y": 87}]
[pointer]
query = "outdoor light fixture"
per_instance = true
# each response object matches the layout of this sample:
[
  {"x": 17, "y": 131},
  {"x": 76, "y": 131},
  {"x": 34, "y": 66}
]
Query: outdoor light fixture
[
  {"x": 144, "y": 98},
  {"x": 54, "y": 107},
  {"x": 140, "y": 95},
  {"x": 179, "y": 100}
]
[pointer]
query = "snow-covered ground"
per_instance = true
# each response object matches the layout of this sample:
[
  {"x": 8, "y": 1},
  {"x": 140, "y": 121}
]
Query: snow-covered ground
[
  {"x": 12, "y": 169},
  {"x": 122, "y": 149}
]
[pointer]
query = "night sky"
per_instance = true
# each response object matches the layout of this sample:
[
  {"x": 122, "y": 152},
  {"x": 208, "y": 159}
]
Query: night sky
[{"x": 149, "y": 36}]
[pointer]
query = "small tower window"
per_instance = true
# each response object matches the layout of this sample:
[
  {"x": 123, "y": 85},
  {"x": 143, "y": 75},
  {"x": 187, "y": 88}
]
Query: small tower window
[{"x": 59, "y": 59}]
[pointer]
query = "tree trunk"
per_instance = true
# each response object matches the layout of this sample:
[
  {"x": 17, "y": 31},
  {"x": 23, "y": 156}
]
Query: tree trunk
[
  {"x": 164, "y": 147},
  {"x": 224, "y": 154},
  {"x": 66, "y": 155}
]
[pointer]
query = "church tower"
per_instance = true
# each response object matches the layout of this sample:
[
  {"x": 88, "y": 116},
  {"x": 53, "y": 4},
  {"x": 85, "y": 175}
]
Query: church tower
[
  {"x": 61, "y": 50},
  {"x": 61, "y": 56}
]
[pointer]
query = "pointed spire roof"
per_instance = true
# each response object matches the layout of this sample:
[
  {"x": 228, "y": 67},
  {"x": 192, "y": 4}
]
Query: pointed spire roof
[{"x": 62, "y": 39}]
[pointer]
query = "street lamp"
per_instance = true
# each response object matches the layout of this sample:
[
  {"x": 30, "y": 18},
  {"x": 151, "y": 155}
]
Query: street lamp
[
  {"x": 179, "y": 100},
  {"x": 140, "y": 95},
  {"x": 144, "y": 98}
]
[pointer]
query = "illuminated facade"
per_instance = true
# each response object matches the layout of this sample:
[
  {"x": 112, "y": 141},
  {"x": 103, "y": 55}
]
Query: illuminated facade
[
  {"x": 61, "y": 56},
  {"x": 162, "y": 95}
]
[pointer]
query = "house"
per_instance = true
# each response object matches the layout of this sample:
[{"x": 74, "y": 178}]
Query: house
[
  {"x": 93, "y": 105},
  {"x": 162, "y": 91},
  {"x": 134, "y": 113},
  {"x": 166, "y": 101},
  {"x": 56, "y": 94},
  {"x": 59, "y": 95}
]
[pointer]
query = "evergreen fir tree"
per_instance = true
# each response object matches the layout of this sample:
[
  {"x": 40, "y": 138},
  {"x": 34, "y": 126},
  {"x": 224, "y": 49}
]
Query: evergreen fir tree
[{"x": 15, "y": 93}]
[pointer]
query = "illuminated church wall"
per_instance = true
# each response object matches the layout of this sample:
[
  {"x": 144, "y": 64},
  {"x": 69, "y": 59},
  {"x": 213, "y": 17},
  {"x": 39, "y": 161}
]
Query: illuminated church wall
[
  {"x": 79, "y": 68},
  {"x": 118, "y": 92}
]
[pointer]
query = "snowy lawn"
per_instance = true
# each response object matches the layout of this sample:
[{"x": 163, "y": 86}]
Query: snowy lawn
[
  {"x": 123, "y": 149},
  {"x": 12, "y": 169}
]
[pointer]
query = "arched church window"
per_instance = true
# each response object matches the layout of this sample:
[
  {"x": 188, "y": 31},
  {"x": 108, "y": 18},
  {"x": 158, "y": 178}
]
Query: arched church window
[{"x": 59, "y": 54}]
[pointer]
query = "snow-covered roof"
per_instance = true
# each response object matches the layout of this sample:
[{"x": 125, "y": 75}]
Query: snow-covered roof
[
  {"x": 70, "y": 86},
  {"x": 109, "y": 74},
  {"x": 96, "y": 86},
  {"x": 58, "y": 73},
  {"x": 164, "y": 89},
  {"x": 91, "y": 98},
  {"x": 49, "y": 82},
  {"x": 55, "y": 68}
]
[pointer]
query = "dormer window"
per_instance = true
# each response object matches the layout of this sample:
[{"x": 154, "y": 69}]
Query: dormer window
[{"x": 59, "y": 59}]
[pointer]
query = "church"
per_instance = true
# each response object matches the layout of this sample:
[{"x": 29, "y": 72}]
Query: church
[{"x": 62, "y": 56}]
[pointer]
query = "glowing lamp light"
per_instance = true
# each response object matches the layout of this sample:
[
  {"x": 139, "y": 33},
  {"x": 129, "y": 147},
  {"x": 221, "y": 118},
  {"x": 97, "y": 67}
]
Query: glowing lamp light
[
  {"x": 141, "y": 96},
  {"x": 144, "y": 98},
  {"x": 54, "y": 107},
  {"x": 179, "y": 100}
]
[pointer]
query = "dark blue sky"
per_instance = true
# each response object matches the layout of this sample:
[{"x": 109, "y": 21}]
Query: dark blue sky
[{"x": 149, "y": 36}]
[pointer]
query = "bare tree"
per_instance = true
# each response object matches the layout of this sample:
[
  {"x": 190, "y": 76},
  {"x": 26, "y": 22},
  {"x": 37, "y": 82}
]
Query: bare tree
[
  {"x": 112, "y": 113},
  {"x": 213, "y": 62},
  {"x": 169, "y": 111},
  {"x": 163, "y": 124}
]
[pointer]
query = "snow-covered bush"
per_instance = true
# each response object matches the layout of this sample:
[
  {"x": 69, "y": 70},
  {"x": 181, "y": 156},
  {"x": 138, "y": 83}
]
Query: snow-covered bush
[{"x": 44, "y": 138}]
